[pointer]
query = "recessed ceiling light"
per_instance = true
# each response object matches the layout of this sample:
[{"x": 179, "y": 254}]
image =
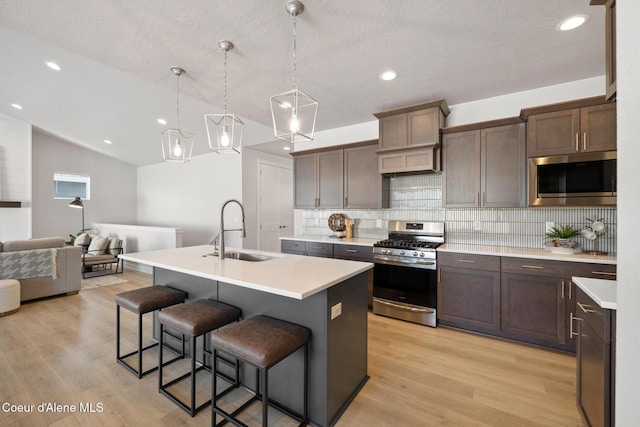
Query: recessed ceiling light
[
  {"x": 572, "y": 22},
  {"x": 17, "y": 106},
  {"x": 286, "y": 148},
  {"x": 162, "y": 121},
  {"x": 108, "y": 141},
  {"x": 388, "y": 75},
  {"x": 53, "y": 66}
]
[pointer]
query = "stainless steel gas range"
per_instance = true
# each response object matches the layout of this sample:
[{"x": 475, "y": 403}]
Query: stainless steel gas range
[{"x": 405, "y": 271}]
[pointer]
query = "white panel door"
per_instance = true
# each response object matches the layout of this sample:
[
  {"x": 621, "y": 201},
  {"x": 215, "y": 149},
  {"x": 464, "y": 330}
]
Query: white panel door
[{"x": 275, "y": 206}]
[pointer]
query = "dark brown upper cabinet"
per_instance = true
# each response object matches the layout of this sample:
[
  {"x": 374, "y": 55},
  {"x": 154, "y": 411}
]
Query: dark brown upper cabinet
[
  {"x": 610, "y": 45},
  {"x": 484, "y": 167},
  {"x": 553, "y": 130},
  {"x": 341, "y": 177},
  {"x": 410, "y": 138}
]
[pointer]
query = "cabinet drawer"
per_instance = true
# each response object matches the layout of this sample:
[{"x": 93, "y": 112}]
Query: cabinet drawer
[
  {"x": 597, "y": 317},
  {"x": 292, "y": 246},
  {"x": 596, "y": 271},
  {"x": 319, "y": 249},
  {"x": 472, "y": 261},
  {"x": 537, "y": 267},
  {"x": 354, "y": 252}
]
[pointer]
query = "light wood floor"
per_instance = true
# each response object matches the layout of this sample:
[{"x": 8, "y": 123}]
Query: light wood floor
[{"x": 62, "y": 351}]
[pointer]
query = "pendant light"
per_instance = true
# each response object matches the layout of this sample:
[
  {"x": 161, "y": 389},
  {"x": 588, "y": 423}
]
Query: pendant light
[
  {"x": 176, "y": 143},
  {"x": 294, "y": 112},
  {"x": 224, "y": 130}
]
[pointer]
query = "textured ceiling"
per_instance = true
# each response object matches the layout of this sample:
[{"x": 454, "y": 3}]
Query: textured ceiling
[{"x": 116, "y": 57}]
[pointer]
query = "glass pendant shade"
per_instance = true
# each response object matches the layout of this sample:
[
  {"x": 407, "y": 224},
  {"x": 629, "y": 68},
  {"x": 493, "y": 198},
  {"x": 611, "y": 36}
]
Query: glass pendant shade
[
  {"x": 294, "y": 115},
  {"x": 294, "y": 112},
  {"x": 177, "y": 145},
  {"x": 224, "y": 132}
]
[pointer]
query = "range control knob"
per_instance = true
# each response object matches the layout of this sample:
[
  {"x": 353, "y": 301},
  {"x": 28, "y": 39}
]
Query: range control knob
[
  {"x": 401, "y": 252},
  {"x": 415, "y": 253},
  {"x": 421, "y": 254}
]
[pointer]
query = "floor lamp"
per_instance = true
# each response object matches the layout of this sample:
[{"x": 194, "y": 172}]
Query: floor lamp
[{"x": 77, "y": 203}]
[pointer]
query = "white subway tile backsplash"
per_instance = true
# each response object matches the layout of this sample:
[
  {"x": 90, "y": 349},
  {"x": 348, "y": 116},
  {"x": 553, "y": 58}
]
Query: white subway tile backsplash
[{"x": 419, "y": 198}]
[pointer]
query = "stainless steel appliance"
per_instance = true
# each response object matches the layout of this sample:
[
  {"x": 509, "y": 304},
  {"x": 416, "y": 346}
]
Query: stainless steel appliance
[
  {"x": 404, "y": 275},
  {"x": 573, "y": 180}
]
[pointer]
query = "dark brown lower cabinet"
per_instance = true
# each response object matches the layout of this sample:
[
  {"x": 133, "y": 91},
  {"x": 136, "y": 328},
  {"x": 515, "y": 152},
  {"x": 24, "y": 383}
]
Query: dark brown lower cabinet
[
  {"x": 469, "y": 298},
  {"x": 532, "y": 308},
  {"x": 595, "y": 363}
]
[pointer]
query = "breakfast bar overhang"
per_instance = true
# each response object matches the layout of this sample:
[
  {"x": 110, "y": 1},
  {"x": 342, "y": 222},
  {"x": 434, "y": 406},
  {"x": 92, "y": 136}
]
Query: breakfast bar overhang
[{"x": 328, "y": 296}]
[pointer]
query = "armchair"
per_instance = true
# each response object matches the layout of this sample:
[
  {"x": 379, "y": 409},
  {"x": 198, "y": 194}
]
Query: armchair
[{"x": 101, "y": 257}]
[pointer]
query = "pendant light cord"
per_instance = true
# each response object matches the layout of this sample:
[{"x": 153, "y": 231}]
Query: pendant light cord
[
  {"x": 295, "y": 84},
  {"x": 178, "y": 101},
  {"x": 225, "y": 81}
]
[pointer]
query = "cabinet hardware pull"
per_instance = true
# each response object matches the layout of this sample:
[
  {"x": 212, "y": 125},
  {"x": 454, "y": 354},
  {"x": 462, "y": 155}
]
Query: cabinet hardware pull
[
  {"x": 345, "y": 202},
  {"x": 317, "y": 247},
  {"x": 584, "y": 141},
  {"x": 586, "y": 310},
  {"x": 604, "y": 273},
  {"x": 404, "y": 307},
  {"x": 439, "y": 274},
  {"x": 535, "y": 267},
  {"x": 478, "y": 199},
  {"x": 571, "y": 333},
  {"x": 563, "y": 289},
  {"x": 570, "y": 288},
  {"x": 353, "y": 251},
  {"x": 577, "y": 142},
  {"x": 484, "y": 198},
  {"x": 470, "y": 261}
]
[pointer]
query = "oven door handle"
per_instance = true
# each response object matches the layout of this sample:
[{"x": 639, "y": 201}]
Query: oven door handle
[
  {"x": 404, "y": 307},
  {"x": 394, "y": 261}
]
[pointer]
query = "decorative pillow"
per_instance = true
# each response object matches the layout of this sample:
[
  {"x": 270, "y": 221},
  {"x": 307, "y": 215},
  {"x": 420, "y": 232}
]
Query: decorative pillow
[
  {"x": 114, "y": 246},
  {"x": 98, "y": 245},
  {"x": 82, "y": 239}
]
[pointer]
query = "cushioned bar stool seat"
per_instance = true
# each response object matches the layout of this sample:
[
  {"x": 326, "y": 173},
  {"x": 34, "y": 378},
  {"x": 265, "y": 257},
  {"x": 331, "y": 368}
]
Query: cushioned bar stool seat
[
  {"x": 261, "y": 341},
  {"x": 9, "y": 297},
  {"x": 142, "y": 301},
  {"x": 196, "y": 318}
]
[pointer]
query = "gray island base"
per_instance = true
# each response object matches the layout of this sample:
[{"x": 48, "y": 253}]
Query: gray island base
[{"x": 338, "y": 347}]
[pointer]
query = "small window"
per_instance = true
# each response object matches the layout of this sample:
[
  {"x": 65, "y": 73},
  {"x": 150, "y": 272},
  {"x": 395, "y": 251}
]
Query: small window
[{"x": 70, "y": 186}]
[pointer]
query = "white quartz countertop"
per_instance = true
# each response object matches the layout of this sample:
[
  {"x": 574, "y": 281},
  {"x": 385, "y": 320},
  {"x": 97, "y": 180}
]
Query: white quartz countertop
[
  {"x": 526, "y": 253},
  {"x": 328, "y": 239},
  {"x": 603, "y": 292},
  {"x": 293, "y": 276}
]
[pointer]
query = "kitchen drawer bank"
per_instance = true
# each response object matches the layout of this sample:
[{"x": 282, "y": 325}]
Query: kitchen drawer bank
[
  {"x": 355, "y": 249},
  {"x": 517, "y": 293}
]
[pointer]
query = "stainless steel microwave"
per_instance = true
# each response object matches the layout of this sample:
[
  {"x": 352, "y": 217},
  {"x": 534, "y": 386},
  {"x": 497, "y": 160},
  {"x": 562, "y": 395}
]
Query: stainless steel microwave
[{"x": 585, "y": 179}]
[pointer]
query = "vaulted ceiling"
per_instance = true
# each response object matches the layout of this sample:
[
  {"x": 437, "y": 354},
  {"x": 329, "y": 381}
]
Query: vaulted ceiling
[{"x": 116, "y": 58}]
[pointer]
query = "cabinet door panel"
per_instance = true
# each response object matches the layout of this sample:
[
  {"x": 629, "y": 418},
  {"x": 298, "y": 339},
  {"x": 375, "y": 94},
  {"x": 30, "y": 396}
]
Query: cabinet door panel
[
  {"x": 305, "y": 182},
  {"x": 533, "y": 307},
  {"x": 330, "y": 175},
  {"x": 503, "y": 161},
  {"x": 592, "y": 361},
  {"x": 469, "y": 298},
  {"x": 393, "y": 131},
  {"x": 362, "y": 182},
  {"x": 424, "y": 127},
  {"x": 598, "y": 125},
  {"x": 461, "y": 167},
  {"x": 555, "y": 133}
]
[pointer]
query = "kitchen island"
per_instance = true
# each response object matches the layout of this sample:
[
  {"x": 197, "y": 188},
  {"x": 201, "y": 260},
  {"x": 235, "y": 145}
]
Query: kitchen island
[{"x": 328, "y": 296}]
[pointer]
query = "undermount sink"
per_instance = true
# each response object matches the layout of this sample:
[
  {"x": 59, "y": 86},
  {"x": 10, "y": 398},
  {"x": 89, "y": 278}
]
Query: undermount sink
[{"x": 243, "y": 256}]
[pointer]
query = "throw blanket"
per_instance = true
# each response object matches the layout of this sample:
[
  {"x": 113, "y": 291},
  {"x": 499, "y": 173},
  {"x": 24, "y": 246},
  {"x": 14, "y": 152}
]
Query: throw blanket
[{"x": 28, "y": 264}]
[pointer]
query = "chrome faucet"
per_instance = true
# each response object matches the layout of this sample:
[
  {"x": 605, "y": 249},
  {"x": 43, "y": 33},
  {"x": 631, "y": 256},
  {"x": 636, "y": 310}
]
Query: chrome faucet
[{"x": 222, "y": 230}]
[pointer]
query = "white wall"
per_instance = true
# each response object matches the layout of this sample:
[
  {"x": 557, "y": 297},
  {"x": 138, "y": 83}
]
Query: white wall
[
  {"x": 628, "y": 344},
  {"x": 113, "y": 187},
  {"x": 250, "y": 186},
  {"x": 190, "y": 195},
  {"x": 15, "y": 178}
]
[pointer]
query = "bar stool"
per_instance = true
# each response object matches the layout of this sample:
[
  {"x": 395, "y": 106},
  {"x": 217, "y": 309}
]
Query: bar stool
[
  {"x": 196, "y": 318},
  {"x": 142, "y": 301},
  {"x": 261, "y": 341}
]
